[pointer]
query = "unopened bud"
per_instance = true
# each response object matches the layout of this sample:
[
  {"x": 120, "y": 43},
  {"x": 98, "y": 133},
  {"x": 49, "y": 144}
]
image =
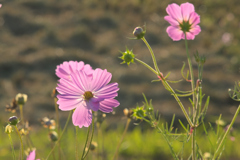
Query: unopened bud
[
  {"x": 53, "y": 136},
  {"x": 139, "y": 32},
  {"x": 127, "y": 112},
  {"x": 93, "y": 146},
  {"x": 8, "y": 129},
  {"x": 13, "y": 120},
  {"x": 21, "y": 98}
]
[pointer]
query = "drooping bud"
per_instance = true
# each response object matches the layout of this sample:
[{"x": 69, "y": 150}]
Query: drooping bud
[
  {"x": 93, "y": 146},
  {"x": 21, "y": 98},
  {"x": 139, "y": 32},
  {"x": 53, "y": 136},
  {"x": 13, "y": 120},
  {"x": 8, "y": 129},
  {"x": 128, "y": 112},
  {"x": 127, "y": 57}
]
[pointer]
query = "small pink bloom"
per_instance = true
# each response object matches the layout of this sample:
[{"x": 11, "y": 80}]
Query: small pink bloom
[
  {"x": 183, "y": 19},
  {"x": 0, "y": 5},
  {"x": 66, "y": 68},
  {"x": 32, "y": 156},
  {"x": 84, "y": 94}
]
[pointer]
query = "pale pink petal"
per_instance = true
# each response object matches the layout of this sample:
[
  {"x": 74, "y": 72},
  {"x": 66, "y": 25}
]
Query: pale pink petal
[
  {"x": 107, "y": 105},
  {"x": 174, "y": 11},
  {"x": 82, "y": 116},
  {"x": 31, "y": 155},
  {"x": 0, "y": 5},
  {"x": 194, "y": 19},
  {"x": 88, "y": 70},
  {"x": 172, "y": 21},
  {"x": 196, "y": 30},
  {"x": 81, "y": 80},
  {"x": 175, "y": 33},
  {"x": 67, "y": 86},
  {"x": 187, "y": 9},
  {"x": 108, "y": 91},
  {"x": 189, "y": 36},
  {"x": 67, "y": 102},
  {"x": 100, "y": 79}
]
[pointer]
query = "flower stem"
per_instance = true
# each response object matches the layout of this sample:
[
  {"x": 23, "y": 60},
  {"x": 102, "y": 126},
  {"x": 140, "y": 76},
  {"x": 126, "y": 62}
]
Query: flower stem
[
  {"x": 152, "y": 54},
  {"x": 65, "y": 127},
  {"x": 13, "y": 152},
  {"x": 76, "y": 143},
  {"x": 21, "y": 149},
  {"x": 194, "y": 100},
  {"x": 21, "y": 113},
  {"x": 58, "y": 125},
  {"x": 84, "y": 156},
  {"x": 226, "y": 133},
  {"x": 123, "y": 135},
  {"x": 146, "y": 65}
]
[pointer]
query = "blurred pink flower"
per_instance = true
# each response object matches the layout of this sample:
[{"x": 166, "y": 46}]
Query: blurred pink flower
[
  {"x": 64, "y": 70},
  {"x": 32, "y": 156},
  {"x": 183, "y": 19},
  {"x": 0, "y": 5},
  {"x": 84, "y": 94}
]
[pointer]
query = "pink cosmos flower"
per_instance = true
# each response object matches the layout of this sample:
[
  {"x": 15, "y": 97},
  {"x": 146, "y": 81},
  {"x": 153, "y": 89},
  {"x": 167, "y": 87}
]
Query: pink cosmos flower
[
  {"x": 183, "y": 19},
  {"x": 64, "y": 70},
  {"x": 86, "y": 94},
  {"x": 32, "y": 156}
]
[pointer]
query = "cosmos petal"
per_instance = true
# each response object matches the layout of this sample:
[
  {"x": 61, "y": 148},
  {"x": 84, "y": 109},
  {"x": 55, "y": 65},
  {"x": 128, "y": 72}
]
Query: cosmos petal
[
  {"x": 107, "y": 105},
  {"x": 175, "y": 33},
  {"x": 187, "y": 9},
  {"x": 82, "y": 116}
]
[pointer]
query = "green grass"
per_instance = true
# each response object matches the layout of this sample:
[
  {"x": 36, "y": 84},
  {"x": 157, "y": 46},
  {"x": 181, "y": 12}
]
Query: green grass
[{"x": 138, "y": 144}]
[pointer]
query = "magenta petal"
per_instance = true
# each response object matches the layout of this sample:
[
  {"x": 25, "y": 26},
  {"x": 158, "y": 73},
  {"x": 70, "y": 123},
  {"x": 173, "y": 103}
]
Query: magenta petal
[
  {"x": 88, "y": 70},
  {"x": 174, "y": 11},
  {"x": 175, "y": 33},
  {"x": 93, "y": 105},
  {"x": 187, "y": 9},
  {"x": 107, "y": 105},
  {"x": 82, "y": 116},
  {"x": 196, "y": 30},
  {"x": 190, "y": 36},
  {"x": 172, "y": 21},
  {"x": 31, "y": 155},
  {"x": 100, "y": 79},
  {"x": 194, "y": 19}
]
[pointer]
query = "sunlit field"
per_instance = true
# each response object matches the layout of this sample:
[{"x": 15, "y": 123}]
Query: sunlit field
[{"x": 119, "y": 80}]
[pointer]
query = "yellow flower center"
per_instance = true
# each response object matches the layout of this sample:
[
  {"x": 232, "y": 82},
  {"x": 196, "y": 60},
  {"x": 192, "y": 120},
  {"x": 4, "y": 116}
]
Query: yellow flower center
[{"x": 88, "y": 95}]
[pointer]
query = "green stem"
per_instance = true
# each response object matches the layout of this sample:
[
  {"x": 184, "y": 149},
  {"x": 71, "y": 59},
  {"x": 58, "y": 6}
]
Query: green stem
[
  {"x": 152, "y": 54},
  {"x": 123, "y": 135},
  {"x": 225, "y": 135},
  {"x": 65, "y": 127},
  {"x": 21, "y": 113},
  {"x": 146, "y": 65},
  {"x": 13, "y": 151},
  {"x": 84, "y": 156},
  {"x": 76, "y": 143},
  {"x": 21, "y": 149},
  {"x": 165, "y": 83},
  {"x": 194, "y": 100},
  {"x": 58, "y": 125}
]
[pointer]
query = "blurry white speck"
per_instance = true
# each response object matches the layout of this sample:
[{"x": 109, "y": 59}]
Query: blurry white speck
[{"x": 59, "y": 52}]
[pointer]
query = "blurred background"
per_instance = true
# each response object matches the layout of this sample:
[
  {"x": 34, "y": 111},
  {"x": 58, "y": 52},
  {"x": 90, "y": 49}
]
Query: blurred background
[{"x": 38, "y": 35}]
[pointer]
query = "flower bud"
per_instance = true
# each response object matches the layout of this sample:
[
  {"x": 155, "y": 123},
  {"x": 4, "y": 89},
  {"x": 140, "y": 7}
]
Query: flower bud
[
  {"x": 139, "y": 32},
  {"x": 8, "y": 129},
  {"x": 127, "y": 57},
  {"x": 139, "y": 113},
  {"x": 53, "y": 136},
  {"x": 93, "y": 146},
  {"x": 127, "y": 112},
  {"x": 21, "y": 98},
  {"x": 13, "y": 120}
]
